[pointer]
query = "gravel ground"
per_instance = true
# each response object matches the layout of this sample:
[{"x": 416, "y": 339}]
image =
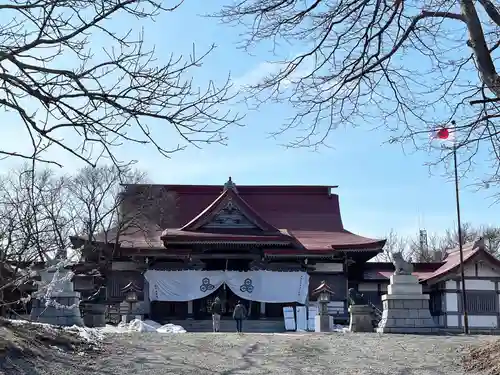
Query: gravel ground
[{"x": 283, "y": 354}]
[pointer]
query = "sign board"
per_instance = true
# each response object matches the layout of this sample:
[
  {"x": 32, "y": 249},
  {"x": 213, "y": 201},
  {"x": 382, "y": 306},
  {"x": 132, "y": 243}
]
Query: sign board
[
  {"x": 313, "y": 311},
  {"x": 301, "y": 315},
  {"x": 289, "y": 317}
]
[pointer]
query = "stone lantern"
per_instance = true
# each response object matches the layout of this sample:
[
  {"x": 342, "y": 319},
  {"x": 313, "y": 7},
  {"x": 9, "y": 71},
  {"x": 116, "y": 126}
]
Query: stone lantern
[
  {"x": 131, "y": 292},
  {"x": 323, "y": 321}
]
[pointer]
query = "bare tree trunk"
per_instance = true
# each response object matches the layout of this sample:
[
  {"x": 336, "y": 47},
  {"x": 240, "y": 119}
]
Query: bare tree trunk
[{"x": 478, "y": 44}]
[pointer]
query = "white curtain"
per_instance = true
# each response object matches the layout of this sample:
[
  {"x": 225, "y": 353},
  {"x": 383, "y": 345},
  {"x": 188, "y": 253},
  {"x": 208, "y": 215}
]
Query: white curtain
[
  {"x": 269, "y": 286},
  {"x": 260, "y": 286},
  {"x": 182, "y": 285}
]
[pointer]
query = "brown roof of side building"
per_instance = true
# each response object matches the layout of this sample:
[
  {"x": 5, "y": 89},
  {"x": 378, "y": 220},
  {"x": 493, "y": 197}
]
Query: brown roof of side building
[{"x": 435, "y": 271}]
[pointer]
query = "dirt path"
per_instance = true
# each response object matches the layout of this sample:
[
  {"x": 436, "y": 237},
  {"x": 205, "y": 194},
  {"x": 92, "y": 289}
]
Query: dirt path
[{"x": 282, "y": 354}]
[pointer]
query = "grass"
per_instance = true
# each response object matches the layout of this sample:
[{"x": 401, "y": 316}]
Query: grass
[{"x": 484, "y": 358}]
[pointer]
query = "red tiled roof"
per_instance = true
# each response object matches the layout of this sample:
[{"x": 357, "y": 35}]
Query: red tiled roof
[
  {"x": 290, "y": 207},
  {"x": 452, "y": 260},
  {"x": 311, "y": 214},
  {"x": 431, "y": 271},
  {"x": 323, "y": 240},
  {"x": 384, "y": 270},
  {"x": 144, "y": 235}
]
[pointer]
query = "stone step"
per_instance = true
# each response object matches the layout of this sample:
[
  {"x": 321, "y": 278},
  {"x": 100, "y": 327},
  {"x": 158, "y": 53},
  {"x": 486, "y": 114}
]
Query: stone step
[{"x": 250, "y": 326}]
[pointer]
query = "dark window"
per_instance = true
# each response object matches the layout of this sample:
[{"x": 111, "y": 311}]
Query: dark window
[
  {"x": 162, "y": 311},
  {"x": 373, "y": 297},
  {"x": 479, "y": 302},
  {"x": 436, "y": 303},
  {"x": 275, "y": 310}
]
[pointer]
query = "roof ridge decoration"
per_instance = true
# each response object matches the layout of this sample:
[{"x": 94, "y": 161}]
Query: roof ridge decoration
[
  {"x": 230, "y": 185},
  {"x": 229, "y": 211},
  {"x": 478, "y": 244}
]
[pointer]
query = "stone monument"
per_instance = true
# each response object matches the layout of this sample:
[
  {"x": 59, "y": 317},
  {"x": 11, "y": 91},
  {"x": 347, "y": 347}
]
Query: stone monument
[
  {"x": 405, "y": 307},
  {"x": 361, "y": 313},
  {"x": 55, "y": 300}
]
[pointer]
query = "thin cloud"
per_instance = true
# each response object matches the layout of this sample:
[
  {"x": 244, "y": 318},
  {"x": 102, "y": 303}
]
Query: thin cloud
[{"x": 267, "y": 69}]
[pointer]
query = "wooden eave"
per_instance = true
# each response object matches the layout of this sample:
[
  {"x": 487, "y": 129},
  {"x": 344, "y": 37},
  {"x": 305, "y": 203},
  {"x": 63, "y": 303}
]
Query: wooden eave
[
  {"x": 230, "y": 242},
  {"x": 372, "y": 247},
  {"x": 157, "y": 252}
]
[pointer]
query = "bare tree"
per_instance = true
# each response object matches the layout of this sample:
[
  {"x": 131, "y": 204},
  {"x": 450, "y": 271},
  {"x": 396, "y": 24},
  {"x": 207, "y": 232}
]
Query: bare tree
[
  {"x": 8, "y": 273},
  {"x": 435, "y": 248},
  {"x": 491, "y": 236},
  {"x": 41, "y": 213},
  {"x": 359, "y": 62},
  {"x": 78, "y": 85},
  {"x": 33, "y": 205},
  {"x": 394, "y": 243},
  {"x": 469, "y": 234},
  {"x": 95, "y": 198},
  {"x": 432, "y": 250},
  {"x": 113, "y": 204},
  {"x": 34, "y": 226}
]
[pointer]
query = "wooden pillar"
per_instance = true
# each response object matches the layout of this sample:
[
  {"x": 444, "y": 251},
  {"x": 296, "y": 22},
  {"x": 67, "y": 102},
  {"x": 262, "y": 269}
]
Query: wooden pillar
[
  {"x": 262, "y": 310},
  {"x": 190, "y": 314}
]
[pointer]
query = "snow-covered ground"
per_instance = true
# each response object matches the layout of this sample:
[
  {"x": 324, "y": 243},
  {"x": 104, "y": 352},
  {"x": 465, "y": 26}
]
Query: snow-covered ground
[
  {"x": 339, "y": 328},
  {"x": 335, "y": 328},
  {"x": 137, "y": 325},
  {"x": 94, "y": 335}
]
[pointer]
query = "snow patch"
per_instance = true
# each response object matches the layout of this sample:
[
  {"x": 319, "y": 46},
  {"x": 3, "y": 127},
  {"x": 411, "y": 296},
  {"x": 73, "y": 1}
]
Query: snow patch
[
  {"x": 91, "y": 335},
  {"x": 137, "y": 325},
  {"x": 339, "y": 328},
  {"x": 95, "y": 335}
]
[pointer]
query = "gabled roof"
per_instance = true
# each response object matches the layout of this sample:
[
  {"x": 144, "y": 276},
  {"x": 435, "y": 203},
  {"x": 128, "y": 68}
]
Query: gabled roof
[
  {"x": 319, "y": 229},
  {"x": 229, "y": 196},
  {"x": 308, "y": 217},
  {"x": 433, "y": 272},
  {"x": 384, "y": 270},
  {"x": 451, "y": 263},
  {"x": 228, "y": 218}
]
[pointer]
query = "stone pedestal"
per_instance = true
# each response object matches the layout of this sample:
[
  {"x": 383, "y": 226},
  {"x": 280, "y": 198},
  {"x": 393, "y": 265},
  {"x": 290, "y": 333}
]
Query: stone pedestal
[
  {"x": 94, "y": 315},
  {"x": 323, "y": 323},
  {"x": 406, "y": 308},
  {"x": 56, "y": 302},
  {"x": 361, "y": 318}
]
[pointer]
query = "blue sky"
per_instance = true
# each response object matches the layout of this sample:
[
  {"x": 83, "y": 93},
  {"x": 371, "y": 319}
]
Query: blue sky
[{"x": 380, "y": 186}]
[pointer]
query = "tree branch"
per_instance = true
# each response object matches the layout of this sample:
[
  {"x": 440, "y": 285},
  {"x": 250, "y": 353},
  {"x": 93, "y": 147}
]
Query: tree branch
[{"x": 90, "y": 108}]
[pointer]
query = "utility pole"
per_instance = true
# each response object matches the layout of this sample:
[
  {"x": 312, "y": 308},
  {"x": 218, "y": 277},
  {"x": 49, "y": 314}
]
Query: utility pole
[{"x": 460, "y": 240}]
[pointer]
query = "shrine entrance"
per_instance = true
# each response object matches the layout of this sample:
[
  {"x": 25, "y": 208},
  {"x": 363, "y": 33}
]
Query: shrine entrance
[{"x": 202, "y": 308}]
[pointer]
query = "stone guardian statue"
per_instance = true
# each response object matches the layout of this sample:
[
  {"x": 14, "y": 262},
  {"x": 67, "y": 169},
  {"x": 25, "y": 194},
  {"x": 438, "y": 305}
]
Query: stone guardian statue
[{"x": 402, "y": 266}]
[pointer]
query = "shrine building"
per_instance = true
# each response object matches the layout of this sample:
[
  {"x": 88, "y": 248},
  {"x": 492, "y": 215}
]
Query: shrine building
[{"x": 268, "y": 246}]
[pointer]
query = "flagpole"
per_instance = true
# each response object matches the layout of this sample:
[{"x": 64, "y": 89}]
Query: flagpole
[{"x": 460, "y": 245}]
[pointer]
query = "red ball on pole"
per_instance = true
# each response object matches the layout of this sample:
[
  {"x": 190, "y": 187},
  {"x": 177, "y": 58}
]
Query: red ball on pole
[{"x": 443, "y": 133}]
